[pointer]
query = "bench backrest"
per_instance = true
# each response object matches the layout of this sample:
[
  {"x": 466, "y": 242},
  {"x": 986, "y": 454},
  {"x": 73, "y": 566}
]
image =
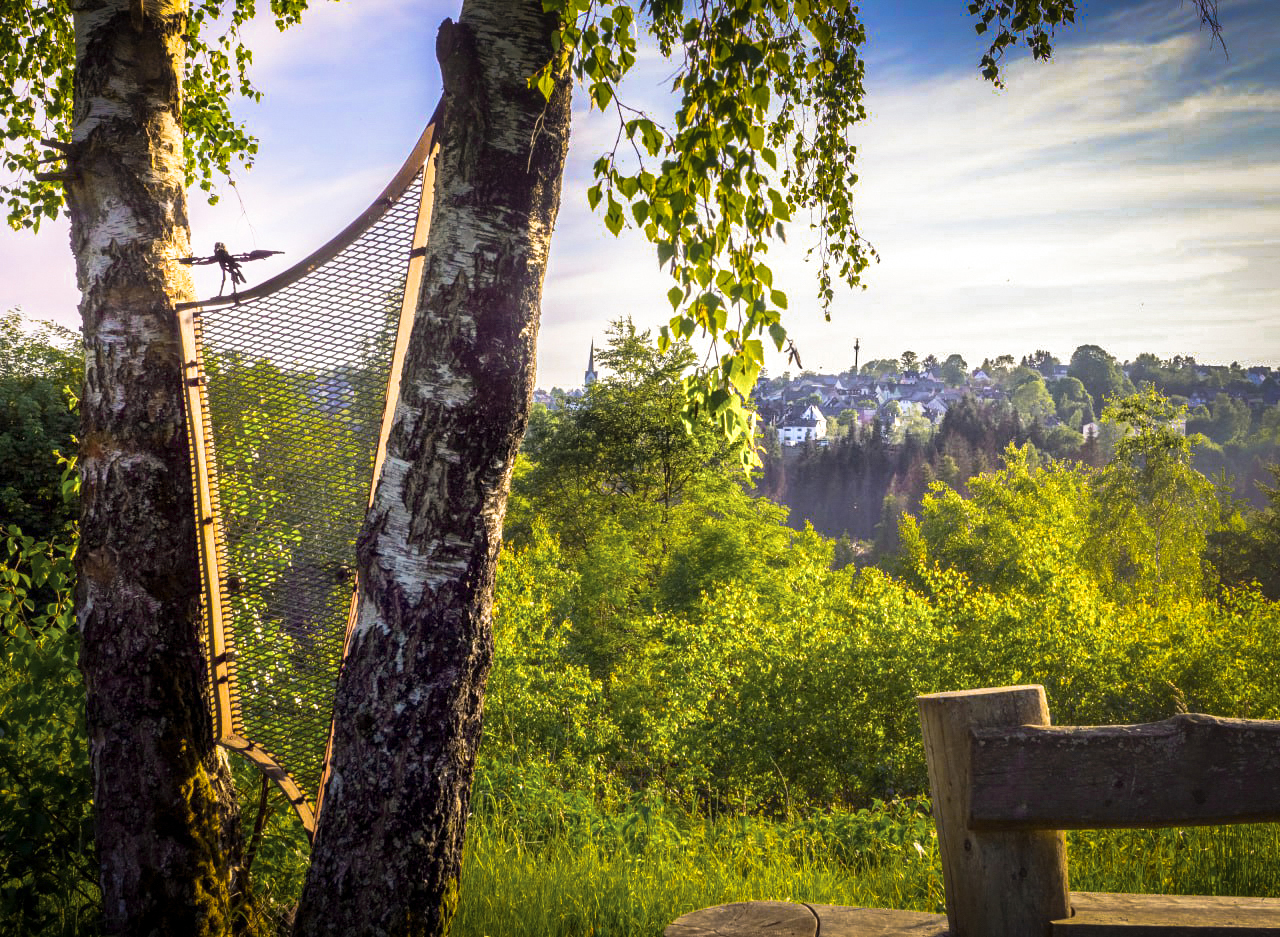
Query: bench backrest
[{"x": 1005, "y": 785}]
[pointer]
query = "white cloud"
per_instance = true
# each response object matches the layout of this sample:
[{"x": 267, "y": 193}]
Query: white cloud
[{"x": 1060, "y": 209}]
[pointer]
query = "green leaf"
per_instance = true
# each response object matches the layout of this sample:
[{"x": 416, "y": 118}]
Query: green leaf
[
  {"x": 601, "y": 95},
  {"x": 546, "y": 82},
  {"x": 675, "y": 296}
]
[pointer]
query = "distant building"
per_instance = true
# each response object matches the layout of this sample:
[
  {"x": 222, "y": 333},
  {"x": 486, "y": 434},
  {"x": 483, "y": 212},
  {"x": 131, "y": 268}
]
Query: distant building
[
  {"x": 936, "y": 407},
  {"x": 802, "y": 425},
  {"x": 590, "y": 377}
]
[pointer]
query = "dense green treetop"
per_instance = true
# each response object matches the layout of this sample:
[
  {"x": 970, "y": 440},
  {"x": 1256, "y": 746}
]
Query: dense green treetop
[
  {"x": 1100, "y": 374},
  {"x": 1042, "y": 361},
  {"x": 650, "y": 512},
  {"x": 1153, "y": 511},
  {"x": 955, "y": 371},
  {"x": 40, "y": 366},
  {"x": 1029, "y": 395},
  {"x": 881, "y": 367},
  {"x": 1226, "y": 420},
  {"x": 1074, "y": 406},
  {"x": 1245, "y": 550},
  {"x": 625, "y": 434}
]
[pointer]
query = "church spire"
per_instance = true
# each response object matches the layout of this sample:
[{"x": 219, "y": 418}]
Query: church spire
[{"x": 590, "y": 377}]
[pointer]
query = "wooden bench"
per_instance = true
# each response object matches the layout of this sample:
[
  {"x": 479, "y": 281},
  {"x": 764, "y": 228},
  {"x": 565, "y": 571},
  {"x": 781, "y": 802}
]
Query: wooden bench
[{"x": 1005, "y": 784}]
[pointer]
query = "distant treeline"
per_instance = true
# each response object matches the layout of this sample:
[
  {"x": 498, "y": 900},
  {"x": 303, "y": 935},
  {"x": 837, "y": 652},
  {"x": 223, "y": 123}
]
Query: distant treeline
[{"x": 860, "y": 484}]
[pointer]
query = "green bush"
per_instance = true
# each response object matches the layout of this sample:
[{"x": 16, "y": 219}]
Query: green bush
[{"x": 48, "y": 875}]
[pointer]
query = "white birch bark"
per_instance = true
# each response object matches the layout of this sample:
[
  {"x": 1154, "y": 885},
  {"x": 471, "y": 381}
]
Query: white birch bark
[
  {"x": 388, "y": 844},
  {"x": 162, "y": 795}
]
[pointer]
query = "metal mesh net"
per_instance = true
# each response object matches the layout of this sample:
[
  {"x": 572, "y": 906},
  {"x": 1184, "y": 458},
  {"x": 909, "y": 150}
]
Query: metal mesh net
[{"x": 294, "y": 390}]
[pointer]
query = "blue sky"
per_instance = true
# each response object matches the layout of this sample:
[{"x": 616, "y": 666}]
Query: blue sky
[{"x": 1126, "y": 194}]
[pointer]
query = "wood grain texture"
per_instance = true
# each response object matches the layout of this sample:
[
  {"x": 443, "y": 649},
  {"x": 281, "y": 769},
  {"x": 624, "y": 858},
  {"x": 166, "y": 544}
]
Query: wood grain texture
[
  {"x": 998, "y": 884},
  {"x": 788, "y": 919},
  {"x": 747, "y": 919},
  {"x": 1111, "y": 915},
  {"x": 1094, "y": 914},
  {"x": 1185, "y": 771},
  {"x": 837, "y": 921}
]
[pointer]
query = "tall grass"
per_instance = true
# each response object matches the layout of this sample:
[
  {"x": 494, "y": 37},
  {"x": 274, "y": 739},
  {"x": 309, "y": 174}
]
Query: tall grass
[
  {"x": 634, "y": 873},
  {"x": 561, "y": 867},
  {"x": 1208, "y": 860}
]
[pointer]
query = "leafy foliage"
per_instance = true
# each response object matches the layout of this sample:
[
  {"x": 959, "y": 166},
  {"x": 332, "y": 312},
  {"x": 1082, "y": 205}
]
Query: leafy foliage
[
  {"x": 769, "y": 93},
  {"x": 738, "y": 670},
  {"x": 1154, "y": 512},
  {"x": 1032, "y": 20},
  {"x": 48, "y": 879},
  {"x": 39, "y": 371},
  {"x": 1100, "y": 374},
  {"x": 37, "y": 58},
  {"x": 1245, "y": 549}
]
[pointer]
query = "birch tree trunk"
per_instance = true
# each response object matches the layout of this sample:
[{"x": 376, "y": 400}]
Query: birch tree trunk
[
  {"x": 388, "y": 845},
  {"x": 162, "y": 794}
]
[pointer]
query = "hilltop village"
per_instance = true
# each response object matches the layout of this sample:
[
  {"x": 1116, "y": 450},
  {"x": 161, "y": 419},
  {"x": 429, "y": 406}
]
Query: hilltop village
[
  {"x": 850, "y": 452},
  {"x": 905, "y": 394},
  {"x": 909, "y": 394}
]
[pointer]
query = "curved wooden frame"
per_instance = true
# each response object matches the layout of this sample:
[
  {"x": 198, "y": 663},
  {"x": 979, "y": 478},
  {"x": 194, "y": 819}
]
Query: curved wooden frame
[{"x": 221, "y": 653}]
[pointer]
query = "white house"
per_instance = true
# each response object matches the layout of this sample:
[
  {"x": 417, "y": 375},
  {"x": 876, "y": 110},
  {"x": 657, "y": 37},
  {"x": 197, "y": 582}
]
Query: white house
[
  {"x": 801, "y": 425},
  {"x": 936, "y": 407}
]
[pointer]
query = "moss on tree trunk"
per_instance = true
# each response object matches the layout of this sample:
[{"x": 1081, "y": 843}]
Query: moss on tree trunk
[{"x": 166, "y": 826}]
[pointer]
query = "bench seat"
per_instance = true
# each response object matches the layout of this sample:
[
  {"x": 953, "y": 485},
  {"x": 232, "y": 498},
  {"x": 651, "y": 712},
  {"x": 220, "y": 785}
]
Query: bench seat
[{"x": 1095, "y": 914}]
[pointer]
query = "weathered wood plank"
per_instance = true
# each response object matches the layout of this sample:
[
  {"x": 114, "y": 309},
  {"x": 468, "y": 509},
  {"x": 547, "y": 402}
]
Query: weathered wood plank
[
  {"x": 1110, "y": 915},
  {"x": 838, "y": 921},
  {"x": 998, "y": 884},
  {"x": 1188, "y": 770},
  {"x": 1094, "y": 914},
  {"x": 785, "y": 919},
  {"x": 747, "y": 919}
]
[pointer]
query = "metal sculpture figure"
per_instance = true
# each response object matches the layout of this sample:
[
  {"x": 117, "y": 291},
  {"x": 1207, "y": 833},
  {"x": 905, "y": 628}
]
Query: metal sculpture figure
[{"x": 229, "y": 263}]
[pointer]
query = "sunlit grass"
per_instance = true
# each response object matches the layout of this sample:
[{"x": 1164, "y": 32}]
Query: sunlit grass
[
  {"x": 634, "y": 872},
  {"x": 555, "y": 864},
  {"x": 597, "y": 882},
  {"x": 1209, "y": 860}
]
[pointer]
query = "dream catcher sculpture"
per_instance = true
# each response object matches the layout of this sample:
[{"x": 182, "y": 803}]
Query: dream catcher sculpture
[{"x": 290, "y": 390}]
